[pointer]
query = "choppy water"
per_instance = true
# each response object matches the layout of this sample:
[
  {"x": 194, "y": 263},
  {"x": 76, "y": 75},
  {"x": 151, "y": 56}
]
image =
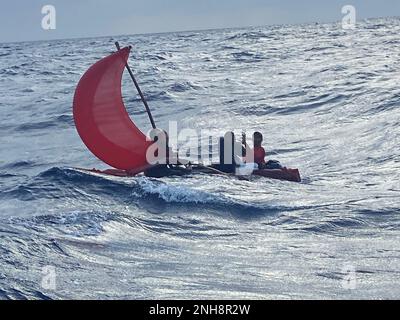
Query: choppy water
[{"x": 328, "y": 103}]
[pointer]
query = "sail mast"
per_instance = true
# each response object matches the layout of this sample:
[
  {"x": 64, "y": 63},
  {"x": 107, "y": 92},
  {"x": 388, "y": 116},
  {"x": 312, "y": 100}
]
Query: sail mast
[{"x": 153, "y": 124}]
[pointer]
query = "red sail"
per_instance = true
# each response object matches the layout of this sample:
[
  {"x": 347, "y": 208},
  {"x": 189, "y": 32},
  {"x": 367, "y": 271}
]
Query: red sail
[{"x": 101, "y": 117}]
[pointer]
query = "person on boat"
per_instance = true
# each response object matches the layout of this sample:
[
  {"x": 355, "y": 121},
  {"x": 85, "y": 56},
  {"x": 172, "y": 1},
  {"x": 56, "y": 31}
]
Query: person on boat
[
  {"x": 170, "y": 165},
  {"x": 258, "y": 154},
  {"x": 231, "y": 153},
  {"x": 258, "y": 150}
]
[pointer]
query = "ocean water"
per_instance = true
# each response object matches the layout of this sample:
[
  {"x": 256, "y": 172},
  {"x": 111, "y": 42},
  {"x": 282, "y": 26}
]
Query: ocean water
[{"x": 327, "y": 101}]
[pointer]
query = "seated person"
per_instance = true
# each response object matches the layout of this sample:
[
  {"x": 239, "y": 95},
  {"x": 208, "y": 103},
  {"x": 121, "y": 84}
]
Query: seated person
[
  {"x": 230, "y": 151},
  {"x": 171, "y": 165},
  {"x": 258, "y": 153},
  {"x": 258, "y": 150}
]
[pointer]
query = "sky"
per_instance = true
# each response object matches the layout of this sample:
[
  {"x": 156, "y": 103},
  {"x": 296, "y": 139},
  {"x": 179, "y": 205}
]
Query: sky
[{"x": 21, "y": 20}]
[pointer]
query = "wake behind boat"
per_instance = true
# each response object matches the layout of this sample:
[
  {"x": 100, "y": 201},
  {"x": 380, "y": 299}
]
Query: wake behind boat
[{"x": 107, "y": 130}]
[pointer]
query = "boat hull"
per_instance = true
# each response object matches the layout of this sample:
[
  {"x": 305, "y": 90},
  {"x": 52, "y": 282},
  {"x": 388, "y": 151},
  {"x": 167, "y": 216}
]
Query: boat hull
[{"x": 278, "y": 174}]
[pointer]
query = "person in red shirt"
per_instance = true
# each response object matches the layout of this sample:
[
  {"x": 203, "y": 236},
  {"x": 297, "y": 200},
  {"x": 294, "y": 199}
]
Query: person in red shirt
[
  {"x": 257, "y": 154},
  {"x": 258, "y": 150}
]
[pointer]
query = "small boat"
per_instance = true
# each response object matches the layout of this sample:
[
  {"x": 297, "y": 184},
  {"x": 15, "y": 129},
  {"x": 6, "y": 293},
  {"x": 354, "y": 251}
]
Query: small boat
[
  {"x": 279, "y": 174},
  {"x": 108, "y": 131}
]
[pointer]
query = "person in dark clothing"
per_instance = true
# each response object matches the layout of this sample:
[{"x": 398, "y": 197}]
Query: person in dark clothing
[
  {"x": 229, "y": 151},
  {"x": 170, "y": 165}
]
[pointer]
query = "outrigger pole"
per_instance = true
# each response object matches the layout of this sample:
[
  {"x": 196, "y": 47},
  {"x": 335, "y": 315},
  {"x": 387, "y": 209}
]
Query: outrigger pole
[{"x": 153, "y": 124}]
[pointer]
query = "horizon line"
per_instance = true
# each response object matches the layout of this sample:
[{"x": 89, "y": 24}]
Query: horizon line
[{"x": 186, "y": 31}]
